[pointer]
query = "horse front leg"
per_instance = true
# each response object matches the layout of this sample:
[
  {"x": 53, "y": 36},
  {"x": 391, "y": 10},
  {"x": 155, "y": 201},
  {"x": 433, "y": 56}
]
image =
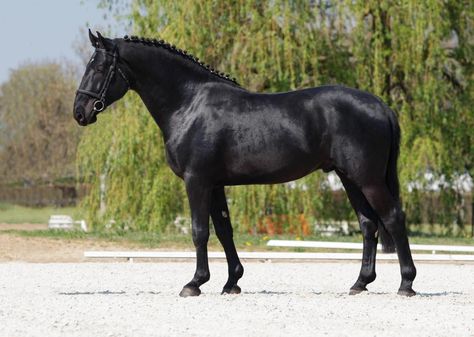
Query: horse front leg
[
  {"x": 199, "y": 196},
  {"x": 221, "y": 220}
]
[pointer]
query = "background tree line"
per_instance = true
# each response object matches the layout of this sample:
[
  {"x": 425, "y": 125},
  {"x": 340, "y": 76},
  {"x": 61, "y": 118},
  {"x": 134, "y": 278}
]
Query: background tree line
[{"x": 38, "y": 138}]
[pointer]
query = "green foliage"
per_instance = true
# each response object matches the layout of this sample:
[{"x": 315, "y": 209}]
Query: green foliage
[{"x": 416, "y": 55}]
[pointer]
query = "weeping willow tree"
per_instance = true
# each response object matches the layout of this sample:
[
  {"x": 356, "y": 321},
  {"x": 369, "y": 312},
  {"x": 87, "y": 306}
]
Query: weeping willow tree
[
  {"x": 417, "y": 55},
  {"x": 395, "y": 50}
]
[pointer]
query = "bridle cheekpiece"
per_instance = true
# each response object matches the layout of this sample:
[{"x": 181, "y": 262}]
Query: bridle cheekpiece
[{"x": 99, "y": 104}]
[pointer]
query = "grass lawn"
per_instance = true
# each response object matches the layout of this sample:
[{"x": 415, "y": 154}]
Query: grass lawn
[
  {"x": 243, "y": 242},
  {"x": 14, "y": 214}
]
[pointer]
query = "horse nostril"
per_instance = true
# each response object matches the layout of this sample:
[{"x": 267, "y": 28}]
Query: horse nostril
[{"x": 80, "y": 116}]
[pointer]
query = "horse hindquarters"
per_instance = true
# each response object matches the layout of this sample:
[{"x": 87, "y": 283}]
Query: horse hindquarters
[{"x": 381, "y": 190}]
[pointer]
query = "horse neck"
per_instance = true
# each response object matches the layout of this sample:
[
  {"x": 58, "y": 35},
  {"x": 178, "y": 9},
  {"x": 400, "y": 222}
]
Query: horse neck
[{"x": 164, "y": 81}]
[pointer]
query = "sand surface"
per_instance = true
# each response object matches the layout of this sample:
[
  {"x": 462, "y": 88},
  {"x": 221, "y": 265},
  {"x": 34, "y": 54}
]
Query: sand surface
[{"x": 278, "y": 299}]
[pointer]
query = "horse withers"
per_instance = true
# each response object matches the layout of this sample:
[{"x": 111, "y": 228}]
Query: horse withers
[{"x": 218, "y": 134}]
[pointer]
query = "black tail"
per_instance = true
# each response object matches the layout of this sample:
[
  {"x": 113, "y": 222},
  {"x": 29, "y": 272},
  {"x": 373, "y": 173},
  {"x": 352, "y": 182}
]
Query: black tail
[
  {"x": 388, "y": 246},
  {"x": 392, "y": 172}
]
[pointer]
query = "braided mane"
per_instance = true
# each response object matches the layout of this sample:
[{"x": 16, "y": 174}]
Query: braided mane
[{"x": 180, "y": 52}]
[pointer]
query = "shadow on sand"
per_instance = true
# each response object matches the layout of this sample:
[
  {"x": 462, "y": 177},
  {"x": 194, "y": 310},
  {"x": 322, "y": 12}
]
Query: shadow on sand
[
  {"x": 365, "y": 293},
  {"x": 440, "y": 294},
  {"x": 106, "y": 292},
  {"x": 267, "y": 292},
  {"x": 418, "y": 294}
]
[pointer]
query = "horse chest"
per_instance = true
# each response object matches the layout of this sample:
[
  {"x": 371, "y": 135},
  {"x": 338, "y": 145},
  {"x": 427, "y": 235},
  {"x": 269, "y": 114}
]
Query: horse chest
[
  {"x": 189, "y": 154},
  {"x": 174, "y": 162}
]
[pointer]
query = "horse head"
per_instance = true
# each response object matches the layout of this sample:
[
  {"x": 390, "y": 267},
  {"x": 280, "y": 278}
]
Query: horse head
[{"x": 103, "y": 82}]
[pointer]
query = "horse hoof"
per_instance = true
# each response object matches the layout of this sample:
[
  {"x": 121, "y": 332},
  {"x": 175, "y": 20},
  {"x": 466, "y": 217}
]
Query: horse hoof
[
  {"x": 355, "y": 291},
  {"x": 234, "y": 290},
  {"x": 190, "y": 291},
  {"x": 406, "y": 292}
]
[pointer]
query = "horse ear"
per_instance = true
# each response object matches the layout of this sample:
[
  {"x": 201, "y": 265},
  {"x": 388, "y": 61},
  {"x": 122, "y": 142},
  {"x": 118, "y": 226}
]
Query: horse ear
[
  {"x": 104, "y": 42},
  {"x": 94, "y": 40}
]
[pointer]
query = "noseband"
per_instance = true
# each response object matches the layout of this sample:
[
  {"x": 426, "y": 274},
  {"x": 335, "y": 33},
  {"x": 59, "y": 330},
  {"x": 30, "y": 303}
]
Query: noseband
[{"x": 99, "y": 103}]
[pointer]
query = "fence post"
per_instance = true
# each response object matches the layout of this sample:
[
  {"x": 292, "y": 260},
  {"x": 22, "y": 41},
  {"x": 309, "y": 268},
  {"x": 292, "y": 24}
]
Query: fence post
[
  {"x": 472, "y": 214},
  {"x": 102, "y": 194}
]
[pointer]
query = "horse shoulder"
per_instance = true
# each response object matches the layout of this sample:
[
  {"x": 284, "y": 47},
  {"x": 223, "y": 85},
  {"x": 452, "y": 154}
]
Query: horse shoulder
[{"x": 196, "y": 136}]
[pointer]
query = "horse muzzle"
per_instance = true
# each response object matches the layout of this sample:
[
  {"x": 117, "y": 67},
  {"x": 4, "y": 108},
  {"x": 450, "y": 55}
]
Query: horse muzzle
[{"x": 84, "y": 118}]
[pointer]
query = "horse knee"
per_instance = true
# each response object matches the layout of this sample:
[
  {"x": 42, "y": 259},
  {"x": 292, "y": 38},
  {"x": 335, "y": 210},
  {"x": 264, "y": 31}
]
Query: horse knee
[
  {"x": 368, "y": 228},
  {"x": 394, "y": 222},
  {"x": 200, "y": 237}
]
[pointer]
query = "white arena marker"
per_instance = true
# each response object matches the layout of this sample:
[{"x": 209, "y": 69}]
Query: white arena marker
[
  {"x": 314, "y": 244},
  {"x": 354, "y": 245}
]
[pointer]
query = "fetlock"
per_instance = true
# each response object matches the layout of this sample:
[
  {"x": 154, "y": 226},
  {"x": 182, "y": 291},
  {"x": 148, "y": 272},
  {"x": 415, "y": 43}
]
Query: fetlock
[
  {"x": 238, "y": 271},
  {"x": 367, "y": 277},
  {"x": 201, "y": 278},
  {"x": 408, "y": 273}
]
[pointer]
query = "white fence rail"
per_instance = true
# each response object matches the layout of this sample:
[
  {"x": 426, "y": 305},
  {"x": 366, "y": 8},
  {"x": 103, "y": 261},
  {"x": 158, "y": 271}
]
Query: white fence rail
[
  {"x": 352, "y": 245},
  {"x": 130, "y": 255}
]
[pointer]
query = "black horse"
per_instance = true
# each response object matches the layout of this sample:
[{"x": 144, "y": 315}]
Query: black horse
[{"x": 217, "y": 133}]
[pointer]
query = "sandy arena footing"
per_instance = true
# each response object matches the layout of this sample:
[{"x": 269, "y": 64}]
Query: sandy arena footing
[{"x": 278, "y": 299}]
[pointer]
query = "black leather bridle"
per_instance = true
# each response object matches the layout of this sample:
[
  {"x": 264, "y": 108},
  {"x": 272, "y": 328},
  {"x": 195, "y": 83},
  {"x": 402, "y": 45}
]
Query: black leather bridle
[{"x": 99, "y": 104}]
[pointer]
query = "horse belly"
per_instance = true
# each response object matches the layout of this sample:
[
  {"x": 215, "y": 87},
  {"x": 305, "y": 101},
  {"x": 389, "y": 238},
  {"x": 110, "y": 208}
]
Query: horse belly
[{"x": 269, "y": 158}]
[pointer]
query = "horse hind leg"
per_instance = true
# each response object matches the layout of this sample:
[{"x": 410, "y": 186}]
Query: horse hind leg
[
  {"x": 368, "y": 220},
  {"x": 393, "y": 218}
]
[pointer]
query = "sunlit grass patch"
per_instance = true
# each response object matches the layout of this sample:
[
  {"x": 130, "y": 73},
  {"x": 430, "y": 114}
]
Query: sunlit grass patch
[{"x": 15, "y": 214}]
